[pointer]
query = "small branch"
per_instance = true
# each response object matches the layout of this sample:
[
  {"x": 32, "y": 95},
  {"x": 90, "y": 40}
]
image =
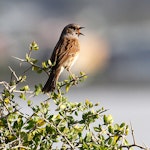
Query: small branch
[
  {"x": 64, "y": 136},
  {"x": 5, "y": 84},
  {"x": 134, "y": 142},
  {"x": 26, "y": 92},
  {"x": 133, "y": 145},
  {"x": 22, "y": 60},
  {"x": 10, "y": 144},
  {"x": 32, "y": 64},
  {"x": 29, "y": 53},
  {"x": 94, "y": 138},
  {"x": 132, "y": 132},
  {"x": 15, "y": 75},
  {"x": 20, "y": 146},
  {"x": 27, "y": 69},
  {"x": 40, "y": 141},
  {"x": 73, "y": 80},
  {"x": 10, "y": 128}
]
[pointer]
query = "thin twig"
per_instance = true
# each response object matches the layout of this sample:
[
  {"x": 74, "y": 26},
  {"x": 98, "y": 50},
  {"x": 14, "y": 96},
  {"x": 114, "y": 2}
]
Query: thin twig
[
  {"x": 5, "y": 84},
  {"x": 74, "y": 80},
  {"x": 26, "y": 92},
  {"x": 27, "y": 69},
  {"x": 64, "y": 136},
  {"x": 133, "y": 145},
  {"x": 8, "y": 145},
  {"x": 32, "y": 65},
  {"x": 15, "y": 75},
  {"x": 132, "y": 132},
  {"x": 21, "y": 146},
  {"x": 22, "y": 60},
  {"x": 134, "y": 142}
]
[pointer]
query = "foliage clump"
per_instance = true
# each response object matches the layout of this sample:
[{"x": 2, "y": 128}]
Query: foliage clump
[{"x": 73, "y": 125}]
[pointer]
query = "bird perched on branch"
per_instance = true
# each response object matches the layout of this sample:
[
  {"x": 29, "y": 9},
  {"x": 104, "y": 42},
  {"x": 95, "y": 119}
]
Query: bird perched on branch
[{"x": 64, "y": 55}]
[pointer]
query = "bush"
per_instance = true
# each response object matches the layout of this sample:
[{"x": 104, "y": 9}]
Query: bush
[{"x": 74, "y": 125}]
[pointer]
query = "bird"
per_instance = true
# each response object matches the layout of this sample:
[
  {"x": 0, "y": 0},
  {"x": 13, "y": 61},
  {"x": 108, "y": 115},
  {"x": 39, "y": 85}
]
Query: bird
[{"x": 64, "y": 55}]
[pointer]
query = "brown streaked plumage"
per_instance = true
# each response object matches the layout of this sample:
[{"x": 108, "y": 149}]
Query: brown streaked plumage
[{"x": 64, "y": 55}]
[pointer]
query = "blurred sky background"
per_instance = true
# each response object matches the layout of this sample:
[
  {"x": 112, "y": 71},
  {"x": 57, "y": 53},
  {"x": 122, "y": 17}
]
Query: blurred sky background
[{"x": 115, "y": 51}]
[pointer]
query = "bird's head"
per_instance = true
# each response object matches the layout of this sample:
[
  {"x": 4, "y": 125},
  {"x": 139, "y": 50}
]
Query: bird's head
[{"x": 72, "y": 30}]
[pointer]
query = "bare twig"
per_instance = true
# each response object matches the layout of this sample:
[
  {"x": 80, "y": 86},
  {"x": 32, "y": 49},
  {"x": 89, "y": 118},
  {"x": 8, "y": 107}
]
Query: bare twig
[
  {"x": 5, "y": 84},
  {"x": 73, "y": 80},
  {"x": 133, "y": 145},
  {"x": 26, "y": 92},
  {"x": 64, "y": 136},
  {"x": 14, "y": 73},
  {"x": 32, "y": 65},
  {"x": 27, "y": 69},
  {"x": 132, "y": 132},
  {"x": 134, "y": 142},
  {"x": 22, "y": 60}
]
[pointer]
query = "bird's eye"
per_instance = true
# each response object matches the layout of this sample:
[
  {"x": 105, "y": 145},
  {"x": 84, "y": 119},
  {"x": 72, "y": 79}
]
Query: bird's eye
[{"x": 72, "y": 28}]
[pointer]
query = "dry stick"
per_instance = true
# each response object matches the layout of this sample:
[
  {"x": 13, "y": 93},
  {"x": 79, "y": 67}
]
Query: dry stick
[
  {"x": 132, "y": 132},
  {"x": 5, "y": 84},
  {"x": 10, "y": 143},
  {"x": 17, "y": 78},
  {"x": 71, "y": 145},
  {"x": 134, "y": 143},
  {"x": 22, "y": 60},
  {"x": 73, "y": 80},
  {"x": 14, "y": 73},
  {"x": 32, "y": 65},
  {"x": 22, "y": 147},
  {"x": 27, "y": 70}
]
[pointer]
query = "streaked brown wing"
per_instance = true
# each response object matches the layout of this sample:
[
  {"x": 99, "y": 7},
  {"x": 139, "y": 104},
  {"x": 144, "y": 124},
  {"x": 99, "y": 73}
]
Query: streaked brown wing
[
  {"x": 69, "y": 49},
  {"x": 56, "y": 51}
]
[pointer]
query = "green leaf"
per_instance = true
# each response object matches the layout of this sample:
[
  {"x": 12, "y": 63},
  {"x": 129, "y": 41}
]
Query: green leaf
[
  {"x": 34, "y": 46},
  {"x": 34, "y": 61},
  {"x": 127, "y": 130},
  {"x": 37, "y": 69},
  {"x": 110, "y": 141},
  {"x": 67, "y": 87},
  {"x": 85, "y": 146},
  {"x": 76, "y": 113},
  {"x": 62, "y": 107},
  {"x": 88, "y": 137},
  {"x": 30, "y": 124},
  {"x": 22, "y": 78},
  {"x": 108, "y": 119},
  {"x": 30, "y": 136},
  {"x": 27, "y": 57},
  {"x": 44, "y": 65},
  {"x": 97, "y": 129},
  {"x": 23, "y": 96},
  {"x": 49, "y": 62},
  {"x": 38, "y": 89},
  {"x": 25, "y": 88},
  {"x": 122, "y": 125},
  {"x": 29, "y": 102},
  {"x": 7, "y": 101},
  {"x": 110, "y": 129}
]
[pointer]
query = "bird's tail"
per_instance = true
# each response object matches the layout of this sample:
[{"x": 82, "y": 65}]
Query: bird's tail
[{"x": 51, "y": 82}]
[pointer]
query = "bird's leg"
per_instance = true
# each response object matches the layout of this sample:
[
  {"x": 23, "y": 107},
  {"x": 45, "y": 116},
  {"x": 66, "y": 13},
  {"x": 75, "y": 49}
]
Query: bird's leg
[{"x": 73, "y": 76}]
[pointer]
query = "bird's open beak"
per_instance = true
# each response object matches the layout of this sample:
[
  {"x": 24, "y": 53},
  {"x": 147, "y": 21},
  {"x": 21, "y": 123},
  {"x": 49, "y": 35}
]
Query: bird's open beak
[
  {"x": 81, "y": 27},
  {"x": 80, "y": 32}
]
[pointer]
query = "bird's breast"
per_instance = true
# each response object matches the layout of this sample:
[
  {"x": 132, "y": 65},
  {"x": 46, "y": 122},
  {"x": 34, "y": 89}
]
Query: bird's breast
[{"x": 71, "y": 51}]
